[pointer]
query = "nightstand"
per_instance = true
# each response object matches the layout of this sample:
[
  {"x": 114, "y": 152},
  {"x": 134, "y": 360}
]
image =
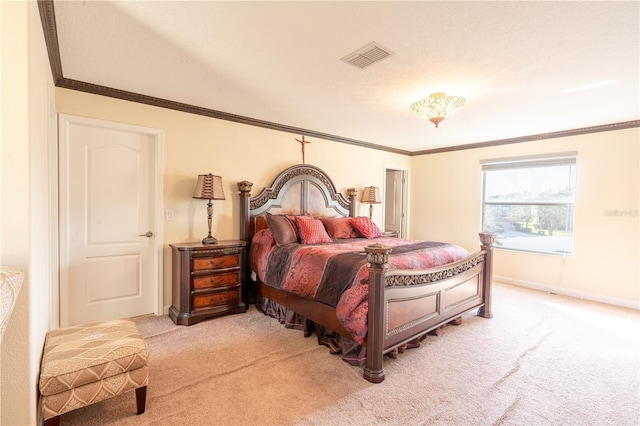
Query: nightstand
[{"x": 208, "y": 280}]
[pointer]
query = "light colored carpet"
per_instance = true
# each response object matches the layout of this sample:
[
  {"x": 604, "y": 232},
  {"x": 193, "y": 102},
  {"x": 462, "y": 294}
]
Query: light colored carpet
[{"x": 542, "y": 360}]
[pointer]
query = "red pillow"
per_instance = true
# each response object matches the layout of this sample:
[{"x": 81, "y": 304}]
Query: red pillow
[
  {"x": 366, "y": 227},
  {"x": 311, "y": 230},
  {"x": 339, "y": 227}
]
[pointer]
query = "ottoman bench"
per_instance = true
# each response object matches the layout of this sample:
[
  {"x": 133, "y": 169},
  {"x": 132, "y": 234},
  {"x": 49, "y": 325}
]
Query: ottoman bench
[{"x": 89, "y": 363}]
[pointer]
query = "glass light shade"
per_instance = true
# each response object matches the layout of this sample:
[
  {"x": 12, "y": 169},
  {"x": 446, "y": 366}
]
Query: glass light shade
[{"x": 437, "y": 107}]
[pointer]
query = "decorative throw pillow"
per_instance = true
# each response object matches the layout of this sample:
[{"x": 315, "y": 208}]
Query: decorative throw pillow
[
  {"x": 311, "y": 230},
  {"x": 292, "y": 219},
  {"x": 366, "y": 227},
  {"x": 282, "y": 229},
  {"x": 339, "y": 227}
]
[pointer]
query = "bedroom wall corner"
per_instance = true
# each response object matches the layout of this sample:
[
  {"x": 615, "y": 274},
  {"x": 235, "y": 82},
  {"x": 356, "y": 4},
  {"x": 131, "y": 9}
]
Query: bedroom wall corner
[
  {"x": 605, "y": 263},
  {"x": 27, "y": 96}
]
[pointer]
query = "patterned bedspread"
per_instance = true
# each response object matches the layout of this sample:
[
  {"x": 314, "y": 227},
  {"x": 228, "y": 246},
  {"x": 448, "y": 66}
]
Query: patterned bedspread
[{"x": 337, "y": 273}]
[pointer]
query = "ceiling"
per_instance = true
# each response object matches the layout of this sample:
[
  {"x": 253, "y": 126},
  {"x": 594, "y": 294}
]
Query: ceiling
[{"x": 524, "y": 67}]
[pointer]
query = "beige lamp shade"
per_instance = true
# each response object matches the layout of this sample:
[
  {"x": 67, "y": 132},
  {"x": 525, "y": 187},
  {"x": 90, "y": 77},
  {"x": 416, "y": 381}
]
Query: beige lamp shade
[
  {"x": 371, "y": 195},
  {"x": 209, "y": 187}
]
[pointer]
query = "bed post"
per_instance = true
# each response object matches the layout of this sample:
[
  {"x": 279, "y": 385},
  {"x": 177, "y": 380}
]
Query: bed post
[
  {"x": 249, "y": 292},
  {"x": 245, "y": 194},
  {"x": 487, "y": 239},
  {"x": 377, "y": 256},
  {"x": 352, "y": 194}
]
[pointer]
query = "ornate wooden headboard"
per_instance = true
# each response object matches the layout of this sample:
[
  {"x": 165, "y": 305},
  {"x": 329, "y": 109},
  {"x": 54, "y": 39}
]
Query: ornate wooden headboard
[{"x": 300, "y": 189}]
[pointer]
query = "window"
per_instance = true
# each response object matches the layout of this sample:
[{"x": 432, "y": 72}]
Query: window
[{"x": 530, "y": 203}]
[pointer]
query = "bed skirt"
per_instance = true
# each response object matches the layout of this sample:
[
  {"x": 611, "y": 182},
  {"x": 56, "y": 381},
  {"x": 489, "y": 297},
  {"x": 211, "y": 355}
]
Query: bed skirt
[{"x": 350, "y": 351}]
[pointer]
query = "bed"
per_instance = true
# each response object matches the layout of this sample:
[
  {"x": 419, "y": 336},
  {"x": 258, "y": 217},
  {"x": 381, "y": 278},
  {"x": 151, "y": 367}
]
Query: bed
[{"x": 399, "y": 290}]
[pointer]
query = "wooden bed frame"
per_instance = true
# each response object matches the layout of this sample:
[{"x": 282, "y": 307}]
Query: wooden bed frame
[{"x": 403, "y": 304}]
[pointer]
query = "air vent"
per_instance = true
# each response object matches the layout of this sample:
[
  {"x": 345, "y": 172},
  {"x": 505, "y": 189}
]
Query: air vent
[{"x": 368, "y": 55}]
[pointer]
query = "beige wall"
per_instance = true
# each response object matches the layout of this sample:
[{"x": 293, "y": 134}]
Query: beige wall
[
  {"x": 445, "y": 190},
  {"x": 195, "y": 145},
  {"x": 446, "y": 197},
  {"x": 445, "y": 194},
  {"x": 26, "y": 90}
]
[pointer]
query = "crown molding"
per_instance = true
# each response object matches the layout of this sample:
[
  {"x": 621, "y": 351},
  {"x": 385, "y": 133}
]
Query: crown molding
[
  {"x": 538, "y": 137},
  {"x": 95, "y": 89},
  {"x": 48, "y": 20}
]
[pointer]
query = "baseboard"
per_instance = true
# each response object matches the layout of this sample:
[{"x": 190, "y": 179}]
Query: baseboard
[
  {"x": 571, "y": 293},
  {"x": 550, "y": 289}
]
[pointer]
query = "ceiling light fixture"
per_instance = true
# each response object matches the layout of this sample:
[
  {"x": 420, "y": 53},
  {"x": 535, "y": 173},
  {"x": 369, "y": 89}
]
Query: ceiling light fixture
[{"x": 437, "y": 107}]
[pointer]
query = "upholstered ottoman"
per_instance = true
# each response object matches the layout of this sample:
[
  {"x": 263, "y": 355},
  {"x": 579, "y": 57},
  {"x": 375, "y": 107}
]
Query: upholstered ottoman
[{"x": 89, "y": 363}]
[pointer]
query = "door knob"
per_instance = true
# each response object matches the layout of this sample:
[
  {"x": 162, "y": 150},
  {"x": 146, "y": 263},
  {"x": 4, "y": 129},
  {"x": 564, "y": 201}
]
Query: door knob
[{"x": 148, "y": 234}]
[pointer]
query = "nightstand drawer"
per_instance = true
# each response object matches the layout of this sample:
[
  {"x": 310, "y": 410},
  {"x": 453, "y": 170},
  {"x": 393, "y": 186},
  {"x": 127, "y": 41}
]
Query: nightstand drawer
[
  {"x": 216, "y": 299},
  {"x": 208, "y": 280},
  {"x": 216, "y": 262},
  {"x": 216, "y": 280}
]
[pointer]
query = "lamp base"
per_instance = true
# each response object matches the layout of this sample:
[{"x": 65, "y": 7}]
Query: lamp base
[{"x": 209, "y": 240}]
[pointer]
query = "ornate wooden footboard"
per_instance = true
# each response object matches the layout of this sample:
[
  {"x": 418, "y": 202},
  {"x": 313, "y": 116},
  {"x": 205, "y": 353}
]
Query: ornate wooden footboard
[{"x": 403, "y": 304}]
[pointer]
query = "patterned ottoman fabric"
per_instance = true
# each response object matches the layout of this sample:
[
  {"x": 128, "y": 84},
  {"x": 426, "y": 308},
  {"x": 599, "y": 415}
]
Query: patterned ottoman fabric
[
  {"x": 89, "y": 363},
  {"x": 63, "y": 402}
]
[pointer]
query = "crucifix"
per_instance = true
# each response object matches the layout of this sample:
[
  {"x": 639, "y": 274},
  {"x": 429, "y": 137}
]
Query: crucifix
[{"x": 302, "y": 143}]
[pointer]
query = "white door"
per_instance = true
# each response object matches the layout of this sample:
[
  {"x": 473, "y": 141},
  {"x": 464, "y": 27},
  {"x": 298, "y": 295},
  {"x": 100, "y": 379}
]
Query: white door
[
  {"x": 108, "y": 191},
  {"x": 394, "y": 201}
]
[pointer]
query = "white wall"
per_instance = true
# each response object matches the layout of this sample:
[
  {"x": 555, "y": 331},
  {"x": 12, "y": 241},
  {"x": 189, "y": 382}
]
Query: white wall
[
  {"x": 26, "y": 91},
  {"x": 446, "y": 205}
]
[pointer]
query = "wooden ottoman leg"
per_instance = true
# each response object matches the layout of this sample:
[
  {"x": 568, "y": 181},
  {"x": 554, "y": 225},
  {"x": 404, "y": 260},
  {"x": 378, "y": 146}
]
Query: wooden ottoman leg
[
  {"x": 53, "y": 421},
  {"x": 141, "y": 399}
]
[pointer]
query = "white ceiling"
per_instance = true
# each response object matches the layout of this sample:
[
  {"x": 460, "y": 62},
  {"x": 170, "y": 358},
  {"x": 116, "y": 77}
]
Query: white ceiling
[{"x": 524, "y": 67}]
